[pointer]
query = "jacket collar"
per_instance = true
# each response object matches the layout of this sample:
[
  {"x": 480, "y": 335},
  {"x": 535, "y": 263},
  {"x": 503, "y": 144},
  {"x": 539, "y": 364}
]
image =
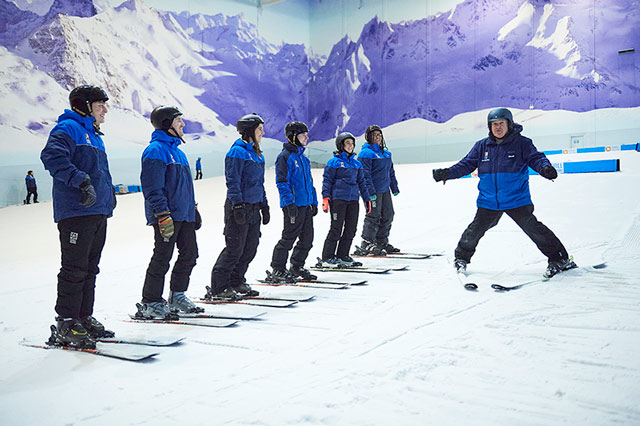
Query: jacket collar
[
  {"x": 242, "y": 144},
  {"x": 293, "y": 148},
  {"x": 86, "y": 122},
  {"x": 164, "y": 137}
]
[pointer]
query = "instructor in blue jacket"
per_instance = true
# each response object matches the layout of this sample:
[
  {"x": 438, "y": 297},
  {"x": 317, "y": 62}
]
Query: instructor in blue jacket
[
  {"x": 170, "y": 207},
  {"x": 503, "y": 160},
  {"x": 83, "y": 199}
]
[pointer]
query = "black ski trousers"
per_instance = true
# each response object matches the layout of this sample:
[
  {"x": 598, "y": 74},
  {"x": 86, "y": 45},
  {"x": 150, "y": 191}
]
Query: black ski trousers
[
  {"x": 344, "y": 221},
  {"x": 240, "y": 249},
  {"x": 184, "y": 237},
  {"x": 81, "y": 241},
  {"x": 377, "y": 223},
  {"x": 485, "y": 219},
  {"x": 33, "y": 191},
  {"x": 301, "y": 229}
]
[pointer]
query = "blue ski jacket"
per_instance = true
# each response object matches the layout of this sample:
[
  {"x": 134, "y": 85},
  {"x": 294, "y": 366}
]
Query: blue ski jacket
[
  {"x": 30, "y": 181},
  {"x": 293, "y": 177},
  {"x": 378, "y": 168},
  {"x": 503, "y": 169},
  {"x": 73, "y": 151},
  {"x": 166, "y": 180},
  {"x": 244, "y": 172},
  {"x": 343, "y": 178}
]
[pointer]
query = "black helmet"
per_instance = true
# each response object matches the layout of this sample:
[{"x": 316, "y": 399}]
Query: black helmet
[
  {"x": 341, "y": 138},
  {"x": 293, "y": 129},
  {"x": 499, "y": 114},
  {"x": 371, "y": 129},
  {"x": 162, "y": 117},
  {"x": 82, "y": 97},
  {"x": 248, "y": 124}
]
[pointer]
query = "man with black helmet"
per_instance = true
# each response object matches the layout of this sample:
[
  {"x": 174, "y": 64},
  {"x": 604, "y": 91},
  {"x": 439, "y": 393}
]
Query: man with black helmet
[
  {"x": 83, "y": 199},
  {"x": 381, "y": 181},
  {"x": 503, "y": 160},
  {"x": 246, "y": 201},
  {"x": 170, "y": 207},
  {"x": 299, "y": 204},
  {"x": 343, "y": 182}
]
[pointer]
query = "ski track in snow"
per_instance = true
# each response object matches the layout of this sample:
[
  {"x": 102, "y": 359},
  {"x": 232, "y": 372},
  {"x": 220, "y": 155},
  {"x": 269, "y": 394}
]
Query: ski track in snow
[{"x": 411, "y": 347}]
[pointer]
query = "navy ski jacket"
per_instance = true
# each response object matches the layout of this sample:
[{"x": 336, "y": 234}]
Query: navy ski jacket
[
  {"x": 378, "y": 168},
  {"x": 30, "y": 181},
  {"x": 73, "y": 151},
  {"x": 166, "y": 180},
  {"x": 343, "y": 178},
  {"x": 293, "y": 177},
  {"x": 503, "y": 169},
  {"x": 244, "y": 172}
]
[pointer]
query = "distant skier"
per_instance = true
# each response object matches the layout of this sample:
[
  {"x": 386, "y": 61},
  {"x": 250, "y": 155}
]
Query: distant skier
[
  {"x": 170, "y": 207},
  {"x": 503, "y": 160},
  {"x": 32, "y": 188},
  {"x": 83, "y": 199},
  {"x": 342, "y": 184},
  {"x": 299, "y": 204},
  {"x": 199, "y": 168},
  {"x": 246, "y": 200},
  {"x": 381, "y": 181}
]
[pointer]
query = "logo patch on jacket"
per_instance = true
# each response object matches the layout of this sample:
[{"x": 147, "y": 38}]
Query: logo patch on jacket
[
  {"x": 341, "y": 164},
  {"x": 86, "y": 135},
  {"x": 486, "y": 156},
  {"x": 73, "y": 237},
  {"x": 296, "y": 163}
]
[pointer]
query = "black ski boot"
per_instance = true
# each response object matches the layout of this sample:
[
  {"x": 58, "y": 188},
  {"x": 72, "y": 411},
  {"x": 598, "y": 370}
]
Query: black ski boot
[
  {"x": 389, "y": 248},
  {"x": 349, "y": 262},
  {"x": 370, "y": 249},
  {"x": 460, "y": 265},
  {"x": 70, "y": 332},
  {"x": 302, "y": 272},
  {"x": 245, "y": 289},
  {"x": 95, "y": 328},
  {"x": 227, "y": 295},
  {"x": 558, "y": 266},
  {"x": 280, "y": 276}
]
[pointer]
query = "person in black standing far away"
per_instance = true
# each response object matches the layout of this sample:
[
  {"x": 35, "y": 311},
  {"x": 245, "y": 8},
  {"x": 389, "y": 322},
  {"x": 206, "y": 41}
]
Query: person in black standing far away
[{"x": 32, "y": 188}]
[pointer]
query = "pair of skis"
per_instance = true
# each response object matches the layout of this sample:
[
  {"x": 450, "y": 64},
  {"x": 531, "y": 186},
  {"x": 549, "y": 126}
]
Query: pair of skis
[{"x": 471, "y": 286}]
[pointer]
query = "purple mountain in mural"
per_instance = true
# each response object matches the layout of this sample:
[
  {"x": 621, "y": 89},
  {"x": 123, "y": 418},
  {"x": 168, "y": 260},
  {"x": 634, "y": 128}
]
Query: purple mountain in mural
[{"x": 481, "y": 54}]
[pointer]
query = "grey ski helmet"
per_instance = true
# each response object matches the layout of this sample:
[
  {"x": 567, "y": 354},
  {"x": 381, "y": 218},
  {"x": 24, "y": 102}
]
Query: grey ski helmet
[
  {"x": 499, "y": 114},
  {"x": 341, "y": 138},
  {"x": 293, "y": 129},
  {"x": 82, "y": 97},
  {"x": 162, "y": 117}
]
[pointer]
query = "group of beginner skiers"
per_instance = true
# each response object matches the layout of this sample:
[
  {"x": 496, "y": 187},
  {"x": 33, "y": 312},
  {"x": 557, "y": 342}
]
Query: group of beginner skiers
[{"x": 84, "y": 197}]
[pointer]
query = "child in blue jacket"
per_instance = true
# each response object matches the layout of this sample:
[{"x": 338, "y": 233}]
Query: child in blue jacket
[
  {"x": 381, "y": 181},
  {"x": 503, "y": 160},
  {"x": 342, "y": 184},
  {"x": 299, "y": 204}
]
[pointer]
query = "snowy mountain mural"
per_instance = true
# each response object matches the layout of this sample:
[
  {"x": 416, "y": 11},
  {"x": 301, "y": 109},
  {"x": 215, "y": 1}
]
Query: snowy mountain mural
[
  {"x": 522, "y": 54},
  {"x": 483, "y": 53}
]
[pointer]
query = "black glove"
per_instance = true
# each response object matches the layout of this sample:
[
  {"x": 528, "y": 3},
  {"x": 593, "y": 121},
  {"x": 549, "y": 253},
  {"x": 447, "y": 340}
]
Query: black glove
[
  {"x": 165, "y": 223},
  {"x": 314, "y": 209},
  {"x": 441, "y": 175},
  {"x": 549, "y": 172},
  {"x": 115, "y": 202},
  {"x": 266, "y": 216},
  {"x": 292, "y": 212},
  {"x": 198, "y": 219},
  {"x": 240, "y": 214},
  {"x": 88, "y": 192}
]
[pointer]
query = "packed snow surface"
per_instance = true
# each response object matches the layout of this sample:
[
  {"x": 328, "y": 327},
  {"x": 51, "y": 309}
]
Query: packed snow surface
[{"x": 410, "y": 348}]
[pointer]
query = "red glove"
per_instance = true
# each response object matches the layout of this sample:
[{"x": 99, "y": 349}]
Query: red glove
[
  {"x": 368, "y": 206},
  {"x": 325, "y": 205}
]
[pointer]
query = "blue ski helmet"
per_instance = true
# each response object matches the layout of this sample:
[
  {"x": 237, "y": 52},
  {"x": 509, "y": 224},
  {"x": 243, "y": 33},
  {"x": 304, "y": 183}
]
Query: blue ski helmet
[{"x": 499, "y": 114}]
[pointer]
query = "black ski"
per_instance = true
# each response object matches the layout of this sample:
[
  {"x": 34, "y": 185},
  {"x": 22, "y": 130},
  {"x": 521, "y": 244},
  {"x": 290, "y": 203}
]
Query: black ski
[
  {"x": 155, "y": 341},
  {"x": 466, "y": 284}
]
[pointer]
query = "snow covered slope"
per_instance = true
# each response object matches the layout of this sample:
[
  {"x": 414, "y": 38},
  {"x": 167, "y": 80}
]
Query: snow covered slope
[{"x": 411, "y": 348}]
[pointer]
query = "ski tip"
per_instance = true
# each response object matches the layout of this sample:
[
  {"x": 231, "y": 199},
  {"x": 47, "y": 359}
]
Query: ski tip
[
  {"x": 498, "y": 287},
  {"x": 600, "y": 265},
  {"x": 471, "y": 286}
]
